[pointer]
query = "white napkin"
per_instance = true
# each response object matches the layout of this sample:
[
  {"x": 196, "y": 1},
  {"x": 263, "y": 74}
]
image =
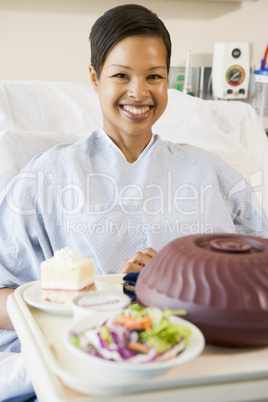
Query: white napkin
[{"x": 15, "y": 383}]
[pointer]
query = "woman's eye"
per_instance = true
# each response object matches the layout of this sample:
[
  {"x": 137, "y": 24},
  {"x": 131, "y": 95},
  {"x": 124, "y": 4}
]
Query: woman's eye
[
  {"x": 120, "y": 75},
  {"x": 154, "y": 77}
]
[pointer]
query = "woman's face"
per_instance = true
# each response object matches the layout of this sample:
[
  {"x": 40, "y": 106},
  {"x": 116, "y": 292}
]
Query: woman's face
[{"x": 132, "y": 87}]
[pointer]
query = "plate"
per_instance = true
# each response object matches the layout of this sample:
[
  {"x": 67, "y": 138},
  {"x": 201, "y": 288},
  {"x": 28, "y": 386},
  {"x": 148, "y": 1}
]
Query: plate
[
  {"x": 33, "y": 296},
  {"x": 194, "y": 348}
]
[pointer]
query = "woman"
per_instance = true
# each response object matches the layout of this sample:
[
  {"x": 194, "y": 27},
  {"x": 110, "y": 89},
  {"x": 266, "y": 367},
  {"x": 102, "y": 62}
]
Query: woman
[{"x": 122, "y": 191}]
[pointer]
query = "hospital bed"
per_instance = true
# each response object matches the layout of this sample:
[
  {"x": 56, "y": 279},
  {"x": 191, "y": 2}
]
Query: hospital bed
[{"x": 36, "y": 115}]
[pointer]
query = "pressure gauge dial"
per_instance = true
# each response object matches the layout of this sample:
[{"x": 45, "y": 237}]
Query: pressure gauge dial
[{"x": 235, "y": 75}]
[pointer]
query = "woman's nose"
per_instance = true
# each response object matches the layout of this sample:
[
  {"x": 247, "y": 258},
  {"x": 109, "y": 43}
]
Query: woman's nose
[{"x": 138, "y": 89}]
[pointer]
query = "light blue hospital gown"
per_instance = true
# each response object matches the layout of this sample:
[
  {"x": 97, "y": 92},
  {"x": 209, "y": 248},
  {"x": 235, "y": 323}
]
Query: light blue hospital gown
[{"x": 88, "y": 197}]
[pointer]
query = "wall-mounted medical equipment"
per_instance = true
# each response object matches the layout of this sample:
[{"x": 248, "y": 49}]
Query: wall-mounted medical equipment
[
  {"x": 230, "y": 70},
  {"x": 187, "y": 84},
  {"x": 260, "y": 91},
  {"x": 200, "y": 81}
]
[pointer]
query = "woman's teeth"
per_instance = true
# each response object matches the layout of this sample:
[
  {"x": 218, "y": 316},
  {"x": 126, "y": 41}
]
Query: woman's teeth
[{"x": 135, "y": 110}]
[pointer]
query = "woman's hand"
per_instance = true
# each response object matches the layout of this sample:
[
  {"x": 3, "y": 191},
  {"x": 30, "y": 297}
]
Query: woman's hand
[{"x": 137, "y": 261}]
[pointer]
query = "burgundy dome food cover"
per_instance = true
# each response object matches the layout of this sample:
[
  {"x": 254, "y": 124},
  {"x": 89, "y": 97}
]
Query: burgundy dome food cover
[{"x": 221, "y": 280}]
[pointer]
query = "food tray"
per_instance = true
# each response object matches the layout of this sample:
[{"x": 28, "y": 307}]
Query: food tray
[{"x": 214, "y": 366}]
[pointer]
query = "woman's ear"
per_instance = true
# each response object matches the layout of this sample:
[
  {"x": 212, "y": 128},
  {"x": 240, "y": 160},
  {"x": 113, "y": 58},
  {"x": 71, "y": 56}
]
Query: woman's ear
[{"x": 94, "y": 78}]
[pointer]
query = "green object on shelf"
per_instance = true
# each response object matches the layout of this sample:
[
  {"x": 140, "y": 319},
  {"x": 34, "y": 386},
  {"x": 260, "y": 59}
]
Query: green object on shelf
[
  {"x": 180, "y": 78},
  {"x": 189, "y": 93},
  {"x": 179, "y": 87}
]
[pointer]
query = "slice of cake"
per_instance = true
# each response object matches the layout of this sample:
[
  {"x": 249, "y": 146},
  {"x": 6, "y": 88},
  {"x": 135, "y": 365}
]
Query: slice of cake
[{"x": 66, "y": 275}]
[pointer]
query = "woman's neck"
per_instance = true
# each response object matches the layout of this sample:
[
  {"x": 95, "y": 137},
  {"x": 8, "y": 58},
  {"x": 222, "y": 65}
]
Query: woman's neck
[{"x": 132, "y": 146}]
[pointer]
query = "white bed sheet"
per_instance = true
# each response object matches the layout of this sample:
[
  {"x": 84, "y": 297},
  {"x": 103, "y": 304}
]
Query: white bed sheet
[{"x": 15, "y": 383}]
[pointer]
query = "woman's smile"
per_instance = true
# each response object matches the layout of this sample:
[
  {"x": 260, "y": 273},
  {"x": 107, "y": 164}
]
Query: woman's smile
[{"x": 137, "y": 112}]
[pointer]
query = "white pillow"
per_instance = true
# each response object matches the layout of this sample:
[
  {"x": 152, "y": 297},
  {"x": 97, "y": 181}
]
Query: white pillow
[
  {"x": 48, "y": 106},
  {"x": 18, "y": 147}
]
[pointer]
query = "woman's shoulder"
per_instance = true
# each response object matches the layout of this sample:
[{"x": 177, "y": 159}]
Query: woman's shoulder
[
  {"x": 182, "y": 149},
  {"x": 65, "y": 151},
  {"x": 192, "y": 155}
]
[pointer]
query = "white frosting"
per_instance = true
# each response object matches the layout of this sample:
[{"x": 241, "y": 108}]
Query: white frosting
[{"x": 67, "y": 258}]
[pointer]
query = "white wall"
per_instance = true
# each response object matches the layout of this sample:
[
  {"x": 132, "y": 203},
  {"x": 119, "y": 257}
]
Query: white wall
[{"x": 48, "y": 40}]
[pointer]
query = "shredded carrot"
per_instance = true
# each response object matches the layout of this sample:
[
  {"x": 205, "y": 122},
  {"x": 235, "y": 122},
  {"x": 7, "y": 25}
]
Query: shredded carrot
[
  {"x": 139, "y": 347},
  {"x": 135, "y": 322},
  {"x": 121, "y": 319},
  {"x": 141, "y": 323}
]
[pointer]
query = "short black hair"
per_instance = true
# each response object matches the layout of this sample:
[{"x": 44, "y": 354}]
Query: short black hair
[{"x": 121, "y": 22}]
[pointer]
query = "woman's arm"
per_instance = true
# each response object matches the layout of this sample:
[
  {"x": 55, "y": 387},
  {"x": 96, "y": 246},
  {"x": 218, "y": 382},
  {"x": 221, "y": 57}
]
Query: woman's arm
[{"x": 5, "y": 322}]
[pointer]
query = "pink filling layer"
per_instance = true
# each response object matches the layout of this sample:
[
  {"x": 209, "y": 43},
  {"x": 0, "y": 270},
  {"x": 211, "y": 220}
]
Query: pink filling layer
[{"x": 70, "y": 290}]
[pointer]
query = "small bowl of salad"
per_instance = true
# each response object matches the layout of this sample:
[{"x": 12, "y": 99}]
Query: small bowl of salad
[{"x": 138, "y": 341}]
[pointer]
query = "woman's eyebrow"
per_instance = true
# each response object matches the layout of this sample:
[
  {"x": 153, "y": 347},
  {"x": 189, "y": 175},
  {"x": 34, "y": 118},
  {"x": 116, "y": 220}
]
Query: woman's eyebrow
[
  {"x": 119, "y": 65},
  {"x": 155, "y": 68},
  {"x": 129, "y": 68}
]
